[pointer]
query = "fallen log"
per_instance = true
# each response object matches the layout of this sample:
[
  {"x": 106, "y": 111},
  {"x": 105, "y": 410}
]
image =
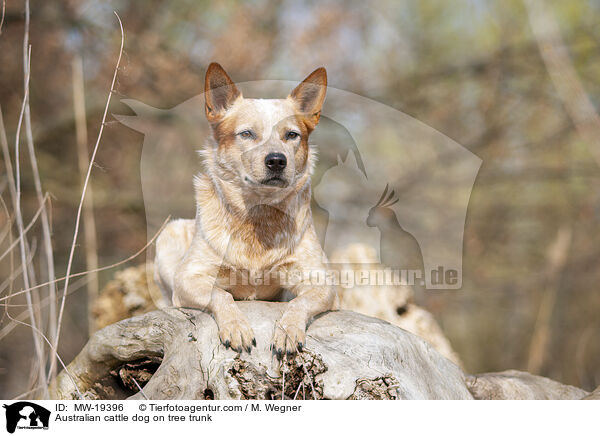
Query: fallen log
[{"x": 176, "y": 354}]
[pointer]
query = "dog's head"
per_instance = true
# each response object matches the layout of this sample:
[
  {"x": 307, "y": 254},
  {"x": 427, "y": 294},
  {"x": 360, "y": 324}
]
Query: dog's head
[{"x": 262, "y": 145}]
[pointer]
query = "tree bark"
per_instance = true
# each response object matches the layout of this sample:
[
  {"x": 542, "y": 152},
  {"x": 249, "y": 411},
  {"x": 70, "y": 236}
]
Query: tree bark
[{"x": 176, "y": 354}]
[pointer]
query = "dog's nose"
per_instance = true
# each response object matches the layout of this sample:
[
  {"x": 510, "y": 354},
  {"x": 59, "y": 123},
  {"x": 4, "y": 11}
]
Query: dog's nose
[{"x": 276, "y": 162}]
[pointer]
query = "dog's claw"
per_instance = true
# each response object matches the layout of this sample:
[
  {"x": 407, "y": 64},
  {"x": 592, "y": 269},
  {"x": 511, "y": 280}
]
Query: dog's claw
[
  {"x": 288, "y": 337},
  {"x": 254, "y": 341},
  {"x": 236, "y": 334}
]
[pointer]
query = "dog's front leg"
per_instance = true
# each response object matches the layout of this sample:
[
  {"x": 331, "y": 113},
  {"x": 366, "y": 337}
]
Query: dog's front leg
[
  {"x": 195, "y": 286},
  {"x": 234, "y": 328},
  {"x": 290, "y": 331}
]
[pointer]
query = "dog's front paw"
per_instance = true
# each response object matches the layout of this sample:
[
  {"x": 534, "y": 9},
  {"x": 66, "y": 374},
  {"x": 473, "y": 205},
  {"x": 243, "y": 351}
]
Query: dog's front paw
[
  {"x": 289, "y": 336},
  {"x": 237, "y": 334}
]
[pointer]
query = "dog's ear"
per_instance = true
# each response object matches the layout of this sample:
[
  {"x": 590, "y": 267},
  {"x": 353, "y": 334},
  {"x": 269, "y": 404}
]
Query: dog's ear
[
  {"x": 219, "y": 92},
  {"x": 310, "y": 95}
]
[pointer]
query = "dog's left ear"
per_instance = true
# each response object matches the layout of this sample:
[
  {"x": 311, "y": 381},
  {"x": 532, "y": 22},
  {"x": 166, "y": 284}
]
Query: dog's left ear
[
  {"x": 219, "y": 92},
  {"x": 310, "y": 95}
]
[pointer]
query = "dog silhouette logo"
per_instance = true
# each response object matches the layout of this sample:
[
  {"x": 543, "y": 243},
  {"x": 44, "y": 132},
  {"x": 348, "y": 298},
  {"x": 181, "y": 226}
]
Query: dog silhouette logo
[{"x": 26, "y": 415}]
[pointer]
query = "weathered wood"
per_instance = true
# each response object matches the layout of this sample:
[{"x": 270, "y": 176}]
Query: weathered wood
[
  {"x": 347, "y": 355},
  {"x": 176, "y": 354},
  {"x": 519, "y": 385},
  {"x": 595, "y": 395}
]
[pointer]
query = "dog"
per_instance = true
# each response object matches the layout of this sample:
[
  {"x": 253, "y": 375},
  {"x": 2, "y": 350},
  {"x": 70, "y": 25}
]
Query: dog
[{"x": 253, "y": 215}]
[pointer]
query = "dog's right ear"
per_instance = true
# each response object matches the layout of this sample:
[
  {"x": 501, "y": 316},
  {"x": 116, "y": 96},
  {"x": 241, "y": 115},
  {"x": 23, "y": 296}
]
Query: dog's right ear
[{"x": 219, "y": 92}]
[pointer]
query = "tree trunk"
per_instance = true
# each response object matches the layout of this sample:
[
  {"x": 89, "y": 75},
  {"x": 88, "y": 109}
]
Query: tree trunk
[{"x": 176, "y": 354}]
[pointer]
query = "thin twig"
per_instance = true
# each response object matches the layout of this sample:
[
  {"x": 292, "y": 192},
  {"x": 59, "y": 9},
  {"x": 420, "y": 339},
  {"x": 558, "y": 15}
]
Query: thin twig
[
  {"x": 15, "y": 272},
  {"x": 301, "y": 384},
  {"x": 310, "y": 380},
  {"x": 21, "y": 316},
  {"x": 25, "y": 230},
  {"x": 283, "y": 384},
  {"x": 83, "y": 192},
  {"x": 7, "y": 160},
  {"x": 46, "y": 231},
  {"x": 11, "y": 183},
  {"x": 53, "y": 349},
  {"x": 25, "y": 394},
  {"x": 104, "y": 268},
  {"x": 38, "y": 187},
  {"x": 140, "y": 388},
  {"x": 39, "y": 349}
]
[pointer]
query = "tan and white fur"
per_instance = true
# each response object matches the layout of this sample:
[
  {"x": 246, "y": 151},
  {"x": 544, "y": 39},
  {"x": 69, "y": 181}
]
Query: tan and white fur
[{"x": 253, "y": 214}]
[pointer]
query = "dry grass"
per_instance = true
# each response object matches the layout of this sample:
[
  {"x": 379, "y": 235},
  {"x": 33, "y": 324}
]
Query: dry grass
[
  {"x": 41, "y": 315},
  {"x": 84, "y": 191}
]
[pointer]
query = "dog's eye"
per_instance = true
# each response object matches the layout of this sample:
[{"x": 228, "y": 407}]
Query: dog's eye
[
  {"x": 246, "y": 134},
  {"x": 291, "y": 135}
]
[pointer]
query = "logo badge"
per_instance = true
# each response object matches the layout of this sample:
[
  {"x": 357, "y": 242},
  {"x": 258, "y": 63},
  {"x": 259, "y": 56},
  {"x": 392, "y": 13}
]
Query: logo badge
[{"x": 26, "y": 415}]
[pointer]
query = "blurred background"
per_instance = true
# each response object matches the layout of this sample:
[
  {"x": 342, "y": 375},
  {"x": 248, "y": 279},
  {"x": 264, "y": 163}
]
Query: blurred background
[{"x": 472, "y": 70}]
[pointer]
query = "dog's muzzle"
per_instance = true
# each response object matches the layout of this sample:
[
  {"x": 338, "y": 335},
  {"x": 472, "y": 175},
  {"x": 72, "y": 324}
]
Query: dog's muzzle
[{"x": 275, "y": 181}]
